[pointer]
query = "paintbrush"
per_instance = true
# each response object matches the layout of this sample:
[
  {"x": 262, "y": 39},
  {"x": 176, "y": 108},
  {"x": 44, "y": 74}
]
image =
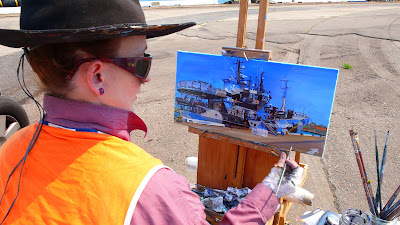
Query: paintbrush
[
  {"x": 283, "y": 172},
  {"x": 383, "y": 164},
  {"x": 384, "y": 158},
  {"x": 391, "y": 200},
  {"x": 364, "y": 178},
  {"x": 392, "y": 212},
  {"x": 378, "y": 201}
]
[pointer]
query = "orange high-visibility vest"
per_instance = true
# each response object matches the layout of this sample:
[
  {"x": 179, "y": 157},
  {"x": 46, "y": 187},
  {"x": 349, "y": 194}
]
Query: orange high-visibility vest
[{"x": 73, "y": 177}]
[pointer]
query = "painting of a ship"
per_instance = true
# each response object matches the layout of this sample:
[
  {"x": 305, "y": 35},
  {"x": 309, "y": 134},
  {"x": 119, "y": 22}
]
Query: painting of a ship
[
  {"x": 239, "y": 104},
  {"x": 235, "y": 93}
]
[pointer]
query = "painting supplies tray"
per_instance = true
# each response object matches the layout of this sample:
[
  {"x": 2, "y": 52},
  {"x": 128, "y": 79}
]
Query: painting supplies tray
[{"x": 218, "y": 202}]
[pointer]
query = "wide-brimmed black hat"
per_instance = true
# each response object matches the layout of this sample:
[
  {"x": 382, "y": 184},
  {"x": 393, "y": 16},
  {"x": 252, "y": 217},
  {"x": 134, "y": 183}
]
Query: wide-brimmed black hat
[{"x": 59, "y": 21}]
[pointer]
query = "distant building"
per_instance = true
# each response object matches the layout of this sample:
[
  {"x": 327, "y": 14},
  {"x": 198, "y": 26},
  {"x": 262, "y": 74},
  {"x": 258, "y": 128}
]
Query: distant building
[{"x": 154, "y": 3}]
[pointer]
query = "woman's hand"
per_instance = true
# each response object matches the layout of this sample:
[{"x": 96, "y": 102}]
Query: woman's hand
[
  {"x": 289, "y": 162},
  {"x": 292, "y": 177}
]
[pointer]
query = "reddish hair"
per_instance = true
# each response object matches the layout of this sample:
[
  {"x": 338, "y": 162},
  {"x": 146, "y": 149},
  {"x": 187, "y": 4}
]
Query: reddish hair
[{"x": 53, "y": 62}]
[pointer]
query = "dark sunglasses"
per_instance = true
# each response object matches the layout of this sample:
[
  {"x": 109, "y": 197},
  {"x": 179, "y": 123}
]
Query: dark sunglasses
[{"x": 138, "y": 66}]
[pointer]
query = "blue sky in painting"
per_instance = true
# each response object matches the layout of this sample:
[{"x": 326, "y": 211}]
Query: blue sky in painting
[{"x": 311, "y": 89}]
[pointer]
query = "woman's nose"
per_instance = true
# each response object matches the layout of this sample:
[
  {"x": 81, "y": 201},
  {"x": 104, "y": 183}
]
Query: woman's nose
[{"x": 148, "y": 78}]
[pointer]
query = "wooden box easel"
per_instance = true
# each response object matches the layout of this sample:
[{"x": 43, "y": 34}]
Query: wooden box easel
[{"x": 229, "y": 159}]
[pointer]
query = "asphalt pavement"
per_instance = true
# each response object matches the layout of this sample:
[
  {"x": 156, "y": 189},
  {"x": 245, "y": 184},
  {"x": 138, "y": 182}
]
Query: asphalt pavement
[{"x": 365, "y": 35}]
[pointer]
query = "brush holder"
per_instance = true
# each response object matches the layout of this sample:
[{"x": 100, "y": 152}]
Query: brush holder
[
  {"x": 354, "y": 217},
  {"x": 378, "y": 221}
]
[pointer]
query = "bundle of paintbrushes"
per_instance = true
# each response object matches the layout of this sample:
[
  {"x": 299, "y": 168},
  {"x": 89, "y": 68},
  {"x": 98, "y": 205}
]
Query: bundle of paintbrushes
[{"x": 391, "y": 210}]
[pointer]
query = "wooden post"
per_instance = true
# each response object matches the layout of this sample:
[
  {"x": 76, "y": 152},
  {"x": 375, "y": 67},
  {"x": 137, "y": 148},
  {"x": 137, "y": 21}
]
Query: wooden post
[
  {"x": 241, "y": 34},
  {"x": 262, "y": 23}
]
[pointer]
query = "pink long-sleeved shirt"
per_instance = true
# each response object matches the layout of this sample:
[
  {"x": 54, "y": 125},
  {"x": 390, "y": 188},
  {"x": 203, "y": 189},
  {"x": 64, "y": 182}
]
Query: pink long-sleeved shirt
[{"x": 167, "y": 198}]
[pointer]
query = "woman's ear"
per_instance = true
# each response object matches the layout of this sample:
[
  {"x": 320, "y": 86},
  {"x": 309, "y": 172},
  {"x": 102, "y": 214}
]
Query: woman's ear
[{"x": 95, "y": 77}]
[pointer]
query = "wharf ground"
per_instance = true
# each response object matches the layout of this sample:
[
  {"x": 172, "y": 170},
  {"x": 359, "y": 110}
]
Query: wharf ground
[{"x": 365, "y": 35}]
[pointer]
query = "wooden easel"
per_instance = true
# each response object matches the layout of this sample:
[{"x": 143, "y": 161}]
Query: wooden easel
[{"x": 228, "y": 158}]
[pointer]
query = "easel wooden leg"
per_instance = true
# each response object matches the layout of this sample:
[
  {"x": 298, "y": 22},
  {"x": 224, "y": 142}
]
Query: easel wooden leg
[
  {"x": 241, "y": 34},
  {"x": 262, "y": 23}
]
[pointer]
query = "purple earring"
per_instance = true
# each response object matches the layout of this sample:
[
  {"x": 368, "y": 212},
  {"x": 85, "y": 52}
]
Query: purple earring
[{"x": 101, "y": 90}]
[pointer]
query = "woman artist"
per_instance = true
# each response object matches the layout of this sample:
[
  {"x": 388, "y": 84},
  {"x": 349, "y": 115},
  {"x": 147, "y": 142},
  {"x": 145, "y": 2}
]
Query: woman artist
[{"x": 77, "y": 164}]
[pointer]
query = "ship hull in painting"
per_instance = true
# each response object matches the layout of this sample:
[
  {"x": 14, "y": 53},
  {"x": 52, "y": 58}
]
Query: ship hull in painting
[
  {"x": 289, "y": 125},
  {"x": 208, "y": 117},
  {"x": 282, "y": 125}
]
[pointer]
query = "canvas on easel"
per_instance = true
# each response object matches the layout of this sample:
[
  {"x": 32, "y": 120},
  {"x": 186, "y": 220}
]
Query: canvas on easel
[{"x": 277, "y": 105}]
